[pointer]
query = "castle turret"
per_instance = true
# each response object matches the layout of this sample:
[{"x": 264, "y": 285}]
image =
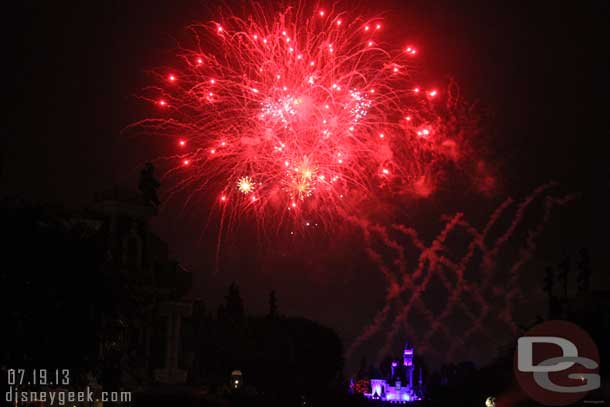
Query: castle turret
[
  {"x": 408, "y": 363},
  {"x": 408, "y": 355},
  {"x": 400, "y": 387}
]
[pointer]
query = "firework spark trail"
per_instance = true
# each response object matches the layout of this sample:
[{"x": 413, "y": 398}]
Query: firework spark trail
[
  {"x": 527, "y": 252},
  {"x": 433, "y": 260},
  {"x": 461, "y": 285},
  {"x": 394, "y": 291},
  {"x": 304, "y": 114},
  {"x": 432, "y": 263},
  {"x": 491, "y": 254}
]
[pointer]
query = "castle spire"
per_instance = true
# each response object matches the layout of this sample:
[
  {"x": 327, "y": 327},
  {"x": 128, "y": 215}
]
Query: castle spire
[{"x": 407, "y": 355}]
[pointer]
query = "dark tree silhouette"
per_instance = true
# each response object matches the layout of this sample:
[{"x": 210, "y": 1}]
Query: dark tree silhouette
[
  {"x": 272, "y": 305},
  {"x": 234, "y": 305},
  {"x": 549, "y": 281},
  {"x": 148, "y": 185},
  {"x": 584, "y": 270},
  {"x": 564, "y": 271}
]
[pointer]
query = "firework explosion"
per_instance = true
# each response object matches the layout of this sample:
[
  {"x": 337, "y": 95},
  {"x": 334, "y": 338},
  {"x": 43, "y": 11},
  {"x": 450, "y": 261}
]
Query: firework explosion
[
  {"x": 315, "y": 116},
  {"x": 304, "y": 114}
]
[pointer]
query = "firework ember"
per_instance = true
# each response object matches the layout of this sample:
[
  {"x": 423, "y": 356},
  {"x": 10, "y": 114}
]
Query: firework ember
[{"x": 304, "y": 115}]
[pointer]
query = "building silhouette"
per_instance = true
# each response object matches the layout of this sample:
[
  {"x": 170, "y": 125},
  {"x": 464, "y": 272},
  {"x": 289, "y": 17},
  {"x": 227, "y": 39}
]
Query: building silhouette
[{"x": 155, "y": 343}]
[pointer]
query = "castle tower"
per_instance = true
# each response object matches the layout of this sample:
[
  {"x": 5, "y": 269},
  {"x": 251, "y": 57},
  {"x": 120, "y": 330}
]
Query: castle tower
[
  {"x": 407, "y": 355},
  {"x": 407, "y": 358}
]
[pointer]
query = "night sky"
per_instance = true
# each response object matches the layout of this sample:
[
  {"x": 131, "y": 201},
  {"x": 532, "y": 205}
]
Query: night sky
[{"x": 538, "y": 70}]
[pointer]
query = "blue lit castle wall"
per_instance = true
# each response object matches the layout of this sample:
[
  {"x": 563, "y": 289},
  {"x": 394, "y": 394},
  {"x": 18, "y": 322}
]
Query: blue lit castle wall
[{"x": 399, "y": 386}]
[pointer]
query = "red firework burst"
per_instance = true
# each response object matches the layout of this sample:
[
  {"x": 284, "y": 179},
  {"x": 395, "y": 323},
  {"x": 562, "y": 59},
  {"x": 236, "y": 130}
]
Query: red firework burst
[{"x": 304, "y": 113}]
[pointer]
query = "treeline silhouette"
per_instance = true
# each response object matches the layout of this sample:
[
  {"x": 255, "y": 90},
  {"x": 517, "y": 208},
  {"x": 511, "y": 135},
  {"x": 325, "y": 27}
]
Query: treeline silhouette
[{"x": 63, "y": 305}]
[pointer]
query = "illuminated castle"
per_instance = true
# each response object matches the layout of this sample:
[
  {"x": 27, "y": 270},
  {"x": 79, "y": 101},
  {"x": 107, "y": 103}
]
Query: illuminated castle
[{"x": 399, "y": 387}]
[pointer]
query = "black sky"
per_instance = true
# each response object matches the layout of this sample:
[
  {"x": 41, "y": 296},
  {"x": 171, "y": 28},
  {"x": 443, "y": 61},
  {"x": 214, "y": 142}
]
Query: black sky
[{"x": 539, "y": 67}]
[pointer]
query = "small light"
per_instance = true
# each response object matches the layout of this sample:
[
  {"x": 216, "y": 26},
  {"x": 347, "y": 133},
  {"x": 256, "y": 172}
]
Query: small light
[
  {"x": 338, "y": 22},
  {"x": 223, "y": 198},
  {"x": 416, "y": 90},
  {"x": 171, "y": 78},
  {"x": 322, "y": 13},
  {"x": 219, "y": 29},
  {"x": 294, "y": 205},
  {"x": 311, "y": 63},
  {"x": 432, "y": 93},
  {"x": 199, "y": 61},
  {"x": 381, "y": 135},
  {"x": 378, "y": 27},
  {"x": 254, "y": 90},
  {"x": 186, "y": 162},
  {"x": 408, "y": 118},
  {"x": 370, "y": 43},
  {"x": 366, "y": 28},
  {"x": 212, "y": 81},
  {"x": 255, "y": 37},
  {"x": 162, "y": 103},
  {"x": 182, "y": 143},
  {"x": 385, "y": 171},
  {"x": 212, "y": 151}
]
